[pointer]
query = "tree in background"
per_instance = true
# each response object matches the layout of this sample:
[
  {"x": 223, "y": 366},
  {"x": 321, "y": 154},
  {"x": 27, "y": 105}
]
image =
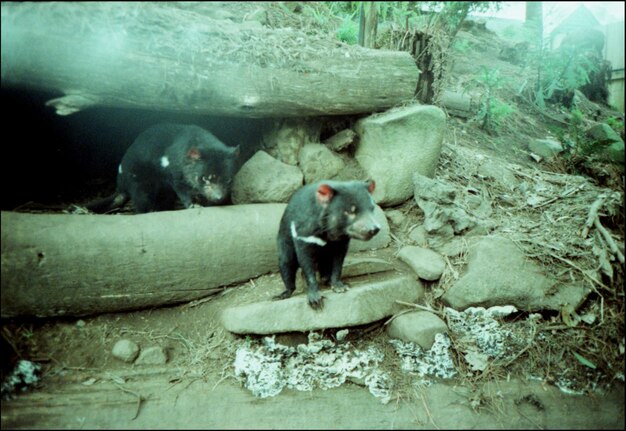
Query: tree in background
[{"x": 577, "y": 64}]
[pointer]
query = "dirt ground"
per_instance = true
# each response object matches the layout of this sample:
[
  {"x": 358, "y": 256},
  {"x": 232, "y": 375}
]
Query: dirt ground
[{"x": 83, "y": 386}]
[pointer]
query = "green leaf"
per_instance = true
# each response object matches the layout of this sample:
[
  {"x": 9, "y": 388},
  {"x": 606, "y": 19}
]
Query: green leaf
[{"x": 585, "y": 362}]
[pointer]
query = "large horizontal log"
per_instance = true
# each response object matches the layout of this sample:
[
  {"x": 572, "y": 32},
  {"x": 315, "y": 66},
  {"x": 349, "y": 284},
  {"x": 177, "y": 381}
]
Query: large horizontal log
[
  {"x": 57, "y": 264},
  {"x": 165, "y": 57}
]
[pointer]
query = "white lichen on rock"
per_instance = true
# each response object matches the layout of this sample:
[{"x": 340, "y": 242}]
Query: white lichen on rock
[
  {"x": 480, "y": 326},
  {"x": 437, "y": 361},
  {"x": 267, "y": 367},
  {"x": 23, "y": 376}
]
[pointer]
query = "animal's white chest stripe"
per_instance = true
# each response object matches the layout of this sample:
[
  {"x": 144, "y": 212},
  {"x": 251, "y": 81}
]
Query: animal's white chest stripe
[{"x": 308, "y": 239}]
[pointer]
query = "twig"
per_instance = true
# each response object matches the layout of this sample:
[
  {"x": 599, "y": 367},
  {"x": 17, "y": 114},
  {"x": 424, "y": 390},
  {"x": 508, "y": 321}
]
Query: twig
[
  {"x": 609, "y": 240},
  {"x": 396, "y": 315},
  {"x": 564, "y": 195},
  {"x": 140, "y": 399},
  {"x": 569, "y": 262},
  {"x": 421, "y": 307},
  {"x": 563, "y": 327},
  {"x": 529, "y": 419},
  {"x": 211, "y": 295},
  {"x": 541, "y": 111},
  {"x": 573, "y": 265},
  {"x": 430, "y": 416},
  {"x": 455, "y": 274},
  {"x": 521, "y": 352},
  {"x": 593, "y": 214}
]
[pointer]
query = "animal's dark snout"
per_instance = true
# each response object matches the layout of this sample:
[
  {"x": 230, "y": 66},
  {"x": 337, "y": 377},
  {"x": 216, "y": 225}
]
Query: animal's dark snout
[
  {"x": 364, "y": 230},
  {"x": 373, "y": 230}
]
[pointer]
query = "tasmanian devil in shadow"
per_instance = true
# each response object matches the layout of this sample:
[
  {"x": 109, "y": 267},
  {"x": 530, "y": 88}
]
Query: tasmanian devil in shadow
[
  {"x": 315, "y": 232},
  {"x": 168, "y": 161}
]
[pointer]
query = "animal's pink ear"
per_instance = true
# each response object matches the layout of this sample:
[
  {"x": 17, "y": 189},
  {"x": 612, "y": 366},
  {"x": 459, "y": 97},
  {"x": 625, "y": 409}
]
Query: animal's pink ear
[
  {"x": 194, "y": 153},
  {"x": 371, "y": 185},
  {"x": 324, "y": 194}
]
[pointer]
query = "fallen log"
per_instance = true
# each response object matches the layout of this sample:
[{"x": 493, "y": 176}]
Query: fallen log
[
  {"x": 73, "y": 265},
  {"x": 172, "y": 57}
]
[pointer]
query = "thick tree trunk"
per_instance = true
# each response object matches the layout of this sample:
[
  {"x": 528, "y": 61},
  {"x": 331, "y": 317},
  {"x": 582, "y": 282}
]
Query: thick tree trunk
[
  {"x": 56, "y": 264},
  {"x": 171, "y": 57},
  {"x": 371, "y": 25}
]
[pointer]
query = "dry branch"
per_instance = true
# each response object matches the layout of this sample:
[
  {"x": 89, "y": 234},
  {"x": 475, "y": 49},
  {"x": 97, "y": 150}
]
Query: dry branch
[
  {"x": 593, "y": 214},
  {"x": 69, "y": 265},
  {"x": 561, "y": 196},
  {"x": 609, "y": 240},
  {"x": 170, "y": 57}
]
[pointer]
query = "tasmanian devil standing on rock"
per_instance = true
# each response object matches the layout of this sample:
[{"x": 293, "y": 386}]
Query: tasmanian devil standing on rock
[
  {"x": 168, "y": 161},
  {"x": 315, "y": 232}
]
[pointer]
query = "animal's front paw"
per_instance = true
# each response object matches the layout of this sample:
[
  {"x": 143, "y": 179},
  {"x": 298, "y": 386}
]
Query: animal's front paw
[
  {"x": 340, "y": 287},
  {"x": 316, "y": 301},
  {"x": 284, "y": 295}
]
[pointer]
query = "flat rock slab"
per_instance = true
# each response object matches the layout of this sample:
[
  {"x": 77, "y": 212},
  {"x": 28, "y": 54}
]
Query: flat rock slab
[
  {"x": 367, "y": 301},
  {"x": 354, "y": 266}
]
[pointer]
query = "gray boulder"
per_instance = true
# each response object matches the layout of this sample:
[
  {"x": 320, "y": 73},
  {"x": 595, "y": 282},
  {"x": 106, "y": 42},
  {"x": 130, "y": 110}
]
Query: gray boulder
[
  {"x": 427, "y": 264},
  {"x": 340, "y": 140},
  {"x": 602, "y": 134},
  {"x": 152, "y": 356},
  {"x": 545, "y": 148},
  {"x": 419, "y": 327},
  {"x": 443, "y": 213},
  {"x": 286, "y": 139},
  {"x": 264, "y": 179},
  {"x": 613, "y": 153},
  {"x": 318, "y": 163},
  {"x": 125, "y": 350},
  {"x": 499, "y": 274},
  {"x": 496, "y": 172},
  {"x": 396, "y": 144}
]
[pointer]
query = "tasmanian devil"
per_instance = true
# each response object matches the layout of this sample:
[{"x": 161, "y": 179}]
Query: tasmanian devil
[
  {"x": 315, "y": 232},
  {"x": 168, "y": 161}
]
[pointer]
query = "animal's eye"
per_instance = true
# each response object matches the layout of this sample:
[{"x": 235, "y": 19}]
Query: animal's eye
[{"x": 351, "y": 212}]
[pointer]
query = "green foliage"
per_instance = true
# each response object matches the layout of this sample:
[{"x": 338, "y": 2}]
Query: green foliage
[
  {"x": 348, "y": 32},
  {"x": 492, "y": 111},
  {"x": 490, "y": 78},
  {"x": 400, "y": 13},
  {"x": 341, "y": 8},
  {"x": 586, "y": 362},
  {"x": 461, "y": 45},
  {"x": 577, "y": 144},
  {"x": 500, "y": 110},
  {"x": 447, "y": 14},
  {"x": 321, "y": 17},
  {"x": 450, "y": 15},
  {"x": 564, "y": 69},
  {"x": 616, "y": 124}
]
